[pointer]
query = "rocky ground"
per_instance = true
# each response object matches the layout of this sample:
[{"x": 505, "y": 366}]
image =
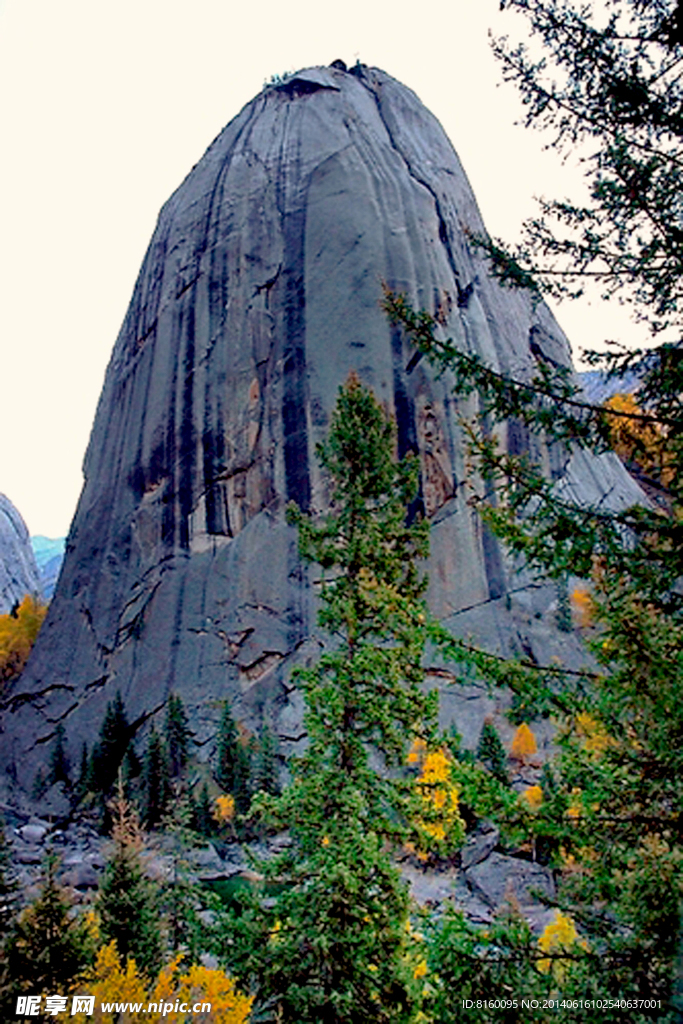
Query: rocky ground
[{"x": 481, "y": 880}]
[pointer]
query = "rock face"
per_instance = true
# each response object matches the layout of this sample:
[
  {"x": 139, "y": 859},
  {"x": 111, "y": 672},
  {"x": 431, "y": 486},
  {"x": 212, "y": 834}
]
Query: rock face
[
  {"x": 18, "y": 570},
  {"x": 259, "y": 293}
]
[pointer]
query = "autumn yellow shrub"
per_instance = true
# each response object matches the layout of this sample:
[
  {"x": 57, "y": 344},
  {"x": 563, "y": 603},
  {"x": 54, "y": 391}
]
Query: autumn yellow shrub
[
  {"x": 111, "y": 982},
  {"x": 440, "y": 820},
  {"x": 17, "y": 636},
  {"x": 594, "y": 737},
  {"x": 560, "y": 936},
  {"x": 523, "y": 744},
  {"x": 224, "y": 809},
  {"x": 637, "y": 441},
  {"x": 533, "y": 797},
  {"x": 583, "y": 611}
]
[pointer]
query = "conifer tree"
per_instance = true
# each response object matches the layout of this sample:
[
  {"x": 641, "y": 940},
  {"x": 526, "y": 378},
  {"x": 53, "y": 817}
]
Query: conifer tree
[
  {"x": 605, "y": 77},
  {"x": 111, "y": 746},
  {"x": 491, "y": 751},
  {"x": 127, "y": 901},
  {"x": 227, "y": 751},
  {"x": 335, "y": 946},
  {"x": 177, "y": 735},
  {"x": 242, "y": 785},
  {"x": 84, "y": 782},
  {"x": 155, "y": 782},
  {"x": 202, "y": 818},
  {"x": 47, "y": 947},
  {"x": 266, "y": 773},
  {"x": 59, "y": 765}
]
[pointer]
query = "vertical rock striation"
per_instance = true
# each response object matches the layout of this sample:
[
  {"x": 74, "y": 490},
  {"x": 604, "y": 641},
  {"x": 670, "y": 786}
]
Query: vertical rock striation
[{"x": 259, "y": 293}]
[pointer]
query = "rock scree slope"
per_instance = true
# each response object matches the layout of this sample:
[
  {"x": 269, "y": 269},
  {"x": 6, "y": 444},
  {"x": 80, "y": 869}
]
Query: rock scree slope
[{"x": 258, "y": 294}]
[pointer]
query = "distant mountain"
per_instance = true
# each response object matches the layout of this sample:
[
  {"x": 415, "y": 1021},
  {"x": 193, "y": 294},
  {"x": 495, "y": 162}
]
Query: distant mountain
[
  {"x": 599, "y": 386},
  {"x": 49, "y": 555},
  {"x": 19, "y": 573}
]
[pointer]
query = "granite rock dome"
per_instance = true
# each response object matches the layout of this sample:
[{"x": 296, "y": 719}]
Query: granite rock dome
[
  {"x": 18, "y": 570},
  {"x": 258, "y": 294}
]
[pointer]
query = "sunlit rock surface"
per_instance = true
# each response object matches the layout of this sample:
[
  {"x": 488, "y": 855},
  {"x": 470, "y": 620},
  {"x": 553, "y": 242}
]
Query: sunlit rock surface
[
  {"x": 18, "y": 570},
  {"x": 259, "y": 293}
]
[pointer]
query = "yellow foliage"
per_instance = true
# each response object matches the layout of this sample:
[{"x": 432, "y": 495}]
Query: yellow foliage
[
  {"x": 17, "y": 636},
  {"x": 595, "y": 738},
  {"x": 224, "y": 809},
  {"x": 523, "y": 743},
  {"x": 560, "y": 936},
  {"x": 110, "y": 983},
  {"x": 582, "y": 607},
  {"x": 441, "y": 821},
  {"x": 417, "y": 752},
  {"x": 202, "y": 985},
  {"x": 420, "y": 969},
  {"x": 533, "y": 797},
  {"x": 638, "y": 441},
  {"x": 575, "y": 809}
]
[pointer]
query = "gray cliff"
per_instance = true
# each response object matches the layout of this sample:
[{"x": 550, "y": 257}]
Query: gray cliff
[
  {"x": 259, "y": 293},
  {"x": 18, "y": 570}
]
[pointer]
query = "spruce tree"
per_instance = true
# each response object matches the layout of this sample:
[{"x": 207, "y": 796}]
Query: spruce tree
[
  {"x": 335, "y": 946},
  {"x": 155, "y": 783},
  {"x": 111, "y": 745},
  {"x": 59, "y": 765},
  {"x": 242, "y": 785},
  {"x": 266, "y": 770},
  {"x": 491, "y": 751},
  {"x": 202, "y": 817},
  {"x": 177, "y": 736},
  {"x": 84, "y": 782},
  {"x": 46, "y": 948},
  {"x": 227, "y": 751}
]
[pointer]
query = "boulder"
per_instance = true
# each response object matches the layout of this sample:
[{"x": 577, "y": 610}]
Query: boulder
[
  {"x": 479, "y": 845},
  {"x": 500, "y": 878}
]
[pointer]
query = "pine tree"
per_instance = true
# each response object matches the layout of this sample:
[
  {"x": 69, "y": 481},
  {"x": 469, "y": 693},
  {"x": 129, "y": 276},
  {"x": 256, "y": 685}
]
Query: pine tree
[
  {"x": 58, "y": 770},
  {"x": 227, "y": 751},
  {"x": 84, "y": 783},
  {"x": 241, "y": 789},
  {"x": 335, "y": 946},
  {"x": 202, "y": 818},
  {"x": 177, "y": 736},
  {"x": 155, "y": 782},
  {"x": 606, "y": 82},
  {"x": 127, "y": 901},
  {"x": 111, "y": 746},
  {"x": 47, "y": 948},
  {"x": 491, "y": 751},
  {"x": 266, "y": 774},
  {"x": 608, "y": 822}
]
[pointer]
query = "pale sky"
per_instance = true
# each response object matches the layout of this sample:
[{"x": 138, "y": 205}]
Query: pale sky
[{"x": 106, "y": 105}]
